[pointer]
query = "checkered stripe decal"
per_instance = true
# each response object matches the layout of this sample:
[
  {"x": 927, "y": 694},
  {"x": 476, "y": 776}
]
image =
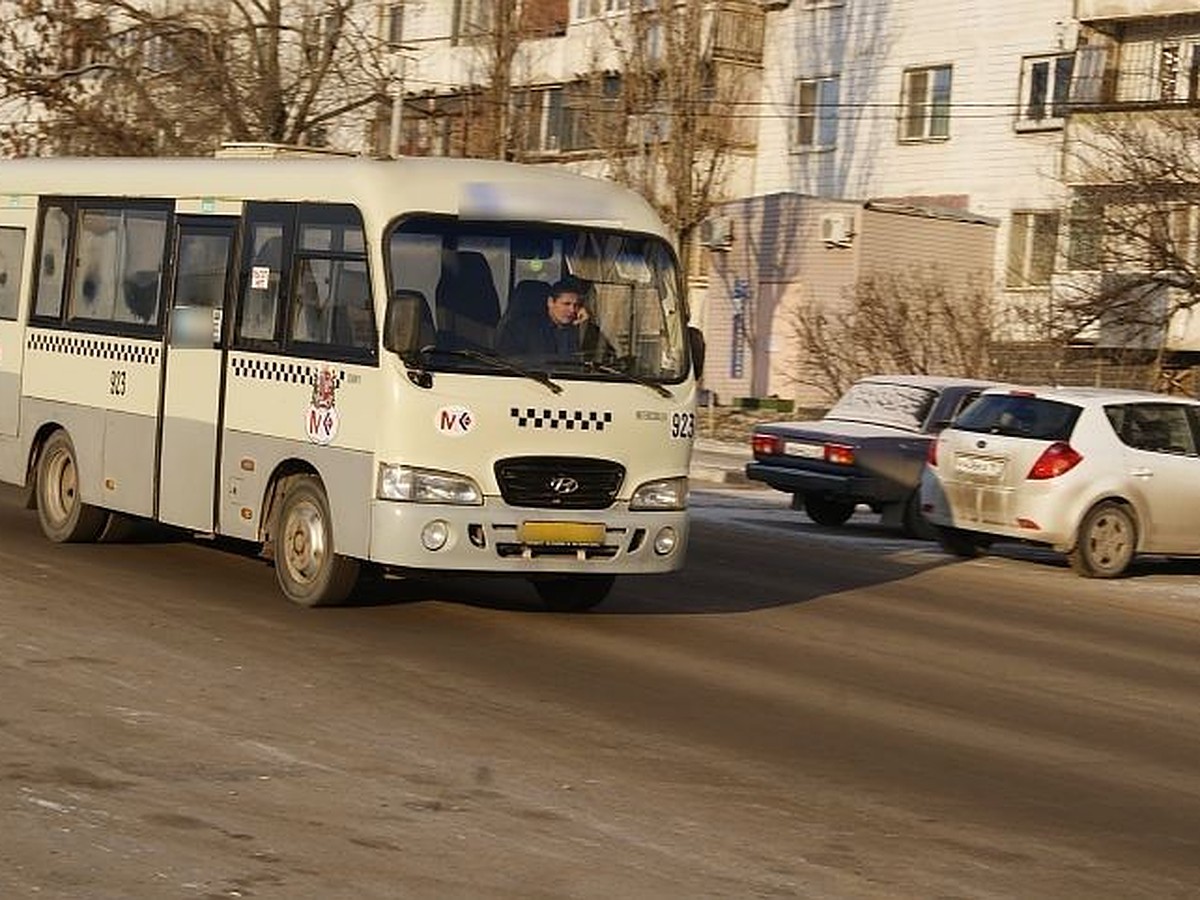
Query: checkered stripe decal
[
  {"x": 273, "y": 370},
  {"x": 114, "y": 350},
  {"x": 567, "y": 419}
]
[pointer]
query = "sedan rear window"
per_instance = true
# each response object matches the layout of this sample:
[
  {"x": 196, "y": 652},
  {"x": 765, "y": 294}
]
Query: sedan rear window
[
  {"x": 901, "y": 405},
  {"x": 1019, "y": 415}
]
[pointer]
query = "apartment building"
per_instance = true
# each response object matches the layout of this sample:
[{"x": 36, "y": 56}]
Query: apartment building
[{"x": 952, "y": 107}]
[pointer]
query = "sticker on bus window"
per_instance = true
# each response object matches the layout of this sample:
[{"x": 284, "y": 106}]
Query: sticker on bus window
[
  {"x": 455, "y": 421},
  {"x": 322, "y": 420},
  {"x": 260, "y": 277}
]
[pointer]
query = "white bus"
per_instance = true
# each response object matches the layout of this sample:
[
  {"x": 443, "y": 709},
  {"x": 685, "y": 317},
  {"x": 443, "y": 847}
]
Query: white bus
[{"x": 303, "y": 353}]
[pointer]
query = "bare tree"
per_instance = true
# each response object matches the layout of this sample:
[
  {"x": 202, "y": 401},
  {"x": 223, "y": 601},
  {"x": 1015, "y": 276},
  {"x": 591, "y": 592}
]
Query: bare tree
[
  {"x": 687, "y": 71},
  {"x": 133, "y": 78},
  {"x": 1131, "y": 263},
  {"x": 905, "y": 321}
]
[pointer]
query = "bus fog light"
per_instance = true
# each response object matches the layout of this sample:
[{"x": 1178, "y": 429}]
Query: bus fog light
[
  {"x": 665, "y": 541},
  {"x": 435, "y": 534}
]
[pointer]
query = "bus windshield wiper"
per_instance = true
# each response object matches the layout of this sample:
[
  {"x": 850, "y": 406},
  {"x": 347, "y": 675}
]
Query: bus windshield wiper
[
  {"x": 496, "y": 362},
  {"x": 593, "y": 366}
]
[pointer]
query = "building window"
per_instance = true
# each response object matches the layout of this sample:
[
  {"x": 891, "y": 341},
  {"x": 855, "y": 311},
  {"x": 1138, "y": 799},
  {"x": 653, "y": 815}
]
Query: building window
[
  {"x": 1179, "y": 71},
  {"x": 819, "y": 4},
  {"x": 472, "y": 20},
  {"x": 542, "y": 120},
  {"x": 582, "y": 10},
  {"x": 1045, "y": 90},
  {"x": 925, "y": 104},
  {"x": 1085, "y": 234},
  {"x": 1159, "y": 71},
  {"x": 816, "y": 113},
  {"x": 1032, "y": 238},
  {"x": 1182, "y": 249},
  {"x": 395, "y": 24}
]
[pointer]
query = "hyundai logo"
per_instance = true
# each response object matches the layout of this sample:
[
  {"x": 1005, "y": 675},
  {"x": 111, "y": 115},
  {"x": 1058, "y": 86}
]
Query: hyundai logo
[{"x": 563, "y": 484}]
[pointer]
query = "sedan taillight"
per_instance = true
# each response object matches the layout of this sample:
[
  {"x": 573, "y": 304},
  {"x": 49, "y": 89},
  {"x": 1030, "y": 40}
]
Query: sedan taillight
[
  {"x": 766, "y": 444},
  {"x": 1057, "y": 459},
  {"x": 839, "y": 454}
]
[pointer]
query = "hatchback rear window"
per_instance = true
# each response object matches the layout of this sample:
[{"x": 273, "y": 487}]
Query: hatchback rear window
[{"x": 1018, "y": 415}]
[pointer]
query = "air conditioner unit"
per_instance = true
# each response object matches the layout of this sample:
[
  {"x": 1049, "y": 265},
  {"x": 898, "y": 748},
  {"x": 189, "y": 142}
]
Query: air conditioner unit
[
  {"x": 717, "y": 233},
  {"x": 837, "y": 229}
]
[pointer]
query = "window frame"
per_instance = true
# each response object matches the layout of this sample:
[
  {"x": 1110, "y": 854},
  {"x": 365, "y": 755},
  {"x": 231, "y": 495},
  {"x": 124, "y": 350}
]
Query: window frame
[
  {"x": 1056, "y": 91},
  {"x": 822, "y": 121},
  {"x": 65, "y": 316},
  {"x": 1021, "y": 276},
  {"x": 931, "y": 109},
  {"x": 293, "y": 218}
]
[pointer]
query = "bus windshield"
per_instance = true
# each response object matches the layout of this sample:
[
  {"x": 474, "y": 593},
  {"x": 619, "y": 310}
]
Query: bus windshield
[{"x": 566, "y": 301}]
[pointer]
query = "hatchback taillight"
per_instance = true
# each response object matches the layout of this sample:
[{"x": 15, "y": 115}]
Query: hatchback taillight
[
  {"x": 1057, "y": 459},
  {"x": 931, "y": 453},
  {"x": 766, "y": 444}
]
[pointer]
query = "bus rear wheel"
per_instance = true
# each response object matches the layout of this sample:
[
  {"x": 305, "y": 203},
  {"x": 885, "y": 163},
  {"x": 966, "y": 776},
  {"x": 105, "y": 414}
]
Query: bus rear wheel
[
  {"x": 64, "y": 517},
  {"x": 573, "y": 593},
  {"x": 308, "y": 570}
]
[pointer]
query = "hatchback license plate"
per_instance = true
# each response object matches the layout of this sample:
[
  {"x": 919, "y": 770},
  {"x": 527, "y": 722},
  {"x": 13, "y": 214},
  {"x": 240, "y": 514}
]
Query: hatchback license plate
[{"x": 978, "y": 466}]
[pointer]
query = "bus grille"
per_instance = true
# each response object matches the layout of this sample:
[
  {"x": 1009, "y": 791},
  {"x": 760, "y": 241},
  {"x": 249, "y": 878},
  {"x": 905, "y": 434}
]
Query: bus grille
[{"x": 559, "y": 482}]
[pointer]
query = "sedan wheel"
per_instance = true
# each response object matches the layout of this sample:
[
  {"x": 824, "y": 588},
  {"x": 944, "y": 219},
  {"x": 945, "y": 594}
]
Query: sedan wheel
[
  {"x": 830, "y": 513},
  {"x": 1106, "y": 542}
]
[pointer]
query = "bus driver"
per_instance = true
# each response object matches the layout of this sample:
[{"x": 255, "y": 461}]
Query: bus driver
[{"x": 564, "y": 331}]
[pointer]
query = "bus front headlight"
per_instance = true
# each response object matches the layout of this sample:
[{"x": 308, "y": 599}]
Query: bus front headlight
[
  {"x": 413, "y": 485},
  {"x": 665, "y": 493}
]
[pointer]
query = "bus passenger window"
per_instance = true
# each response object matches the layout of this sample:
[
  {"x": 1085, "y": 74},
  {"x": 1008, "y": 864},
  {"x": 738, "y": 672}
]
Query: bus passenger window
[
  {"x": 261, "y": 297},
  {"x": 12, "y": 252},
  {"x": 52, "y": 267},
  {"x": 118, "y": 270}
]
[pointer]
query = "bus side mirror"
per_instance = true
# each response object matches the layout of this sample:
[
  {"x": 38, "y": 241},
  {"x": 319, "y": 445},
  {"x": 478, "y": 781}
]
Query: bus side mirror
[
  {"x": 696, "y": 341},
  {"x": 408, "y": 324}
]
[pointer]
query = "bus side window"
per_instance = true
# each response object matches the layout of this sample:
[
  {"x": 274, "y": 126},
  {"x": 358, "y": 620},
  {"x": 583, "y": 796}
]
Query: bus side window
[
  {"x": 12, "y": 253},
  {"x": 52, "y": 264},
  {"x": 260, "y": 300},
  {"x": 354, "y": 314},
  {"x": 118, "y": 265}
]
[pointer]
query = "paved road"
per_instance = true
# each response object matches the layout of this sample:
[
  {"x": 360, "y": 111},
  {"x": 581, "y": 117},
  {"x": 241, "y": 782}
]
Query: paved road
[{"x": 800, "y": 713}]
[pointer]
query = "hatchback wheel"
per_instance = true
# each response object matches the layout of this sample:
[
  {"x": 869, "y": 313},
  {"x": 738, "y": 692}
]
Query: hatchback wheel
[
  {"x": 830, "y": 513},
  {"x": 960, "y": 542},
  {"x": 1106, "y": 542}
]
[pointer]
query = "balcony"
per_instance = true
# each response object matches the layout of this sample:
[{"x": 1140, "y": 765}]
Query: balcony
[{"x": 1092, "y": 11}]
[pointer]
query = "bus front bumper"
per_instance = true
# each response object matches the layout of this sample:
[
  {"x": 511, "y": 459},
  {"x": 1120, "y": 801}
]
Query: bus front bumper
[{"x": 495, "y": 537}]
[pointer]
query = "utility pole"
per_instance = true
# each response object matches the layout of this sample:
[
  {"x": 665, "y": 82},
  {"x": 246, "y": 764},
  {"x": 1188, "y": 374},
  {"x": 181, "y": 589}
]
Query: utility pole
[{"x": 395, "y": 27}]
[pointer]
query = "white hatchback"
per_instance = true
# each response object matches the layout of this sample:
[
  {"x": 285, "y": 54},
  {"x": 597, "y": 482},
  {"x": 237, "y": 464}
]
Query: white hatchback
[{"x": 1098, "y": 474}]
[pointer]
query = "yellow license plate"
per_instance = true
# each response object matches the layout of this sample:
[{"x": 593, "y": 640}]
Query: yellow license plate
[{"x": 575, "y": 534}]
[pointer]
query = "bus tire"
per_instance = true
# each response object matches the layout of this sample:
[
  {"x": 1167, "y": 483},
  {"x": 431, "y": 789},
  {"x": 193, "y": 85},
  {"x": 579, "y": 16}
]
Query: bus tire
[
  {"x": 308, "y": 570},
  {"x": 573, "y": 593},
  {"x": 64, "y": 517}
]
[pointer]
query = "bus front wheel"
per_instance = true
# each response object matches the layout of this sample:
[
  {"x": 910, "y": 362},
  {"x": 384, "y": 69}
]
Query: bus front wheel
[
  {"x": 64, "y": 517},
  {"x": 308, "y": 570}
]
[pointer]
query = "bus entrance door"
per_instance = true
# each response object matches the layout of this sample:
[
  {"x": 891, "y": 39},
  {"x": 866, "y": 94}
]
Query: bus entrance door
[{"x": 189, "y": 457}]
